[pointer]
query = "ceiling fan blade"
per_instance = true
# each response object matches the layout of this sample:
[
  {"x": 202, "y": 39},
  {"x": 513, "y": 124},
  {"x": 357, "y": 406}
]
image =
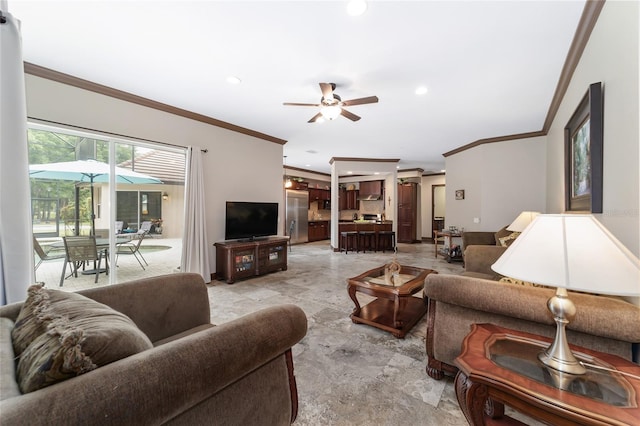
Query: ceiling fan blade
[
  {"x": 351, "y": 116},
  {"x": 361, "y": 101},
  {"x": 315, "y": 118},
  {"x": 298, "y": 104},
  {"x": 327, "y": 91}
]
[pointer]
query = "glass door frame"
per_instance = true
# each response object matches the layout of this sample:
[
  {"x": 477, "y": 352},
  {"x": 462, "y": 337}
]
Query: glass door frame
[{"x": 112, "y": 141}]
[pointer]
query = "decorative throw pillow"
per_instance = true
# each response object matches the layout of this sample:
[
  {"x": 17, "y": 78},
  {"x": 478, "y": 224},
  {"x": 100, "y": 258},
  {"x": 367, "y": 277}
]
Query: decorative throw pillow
[
  {"x": 79, "y": 335},
  {"x": 501, "y": 234},
  {"x": 509, "y": 239},
  {"x": 520, "y": 282},
  {"x": 27, "y": 327}
]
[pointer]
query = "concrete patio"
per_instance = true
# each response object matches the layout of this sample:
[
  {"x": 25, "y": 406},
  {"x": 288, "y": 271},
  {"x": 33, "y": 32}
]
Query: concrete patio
[{"x": 162, "y": 254}]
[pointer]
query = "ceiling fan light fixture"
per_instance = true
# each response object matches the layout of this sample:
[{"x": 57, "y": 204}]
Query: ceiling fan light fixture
[{"x": 330, "y": 112}]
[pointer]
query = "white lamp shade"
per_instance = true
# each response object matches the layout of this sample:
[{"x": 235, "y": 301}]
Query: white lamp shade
[
  {"x": 572, "y": 251},
  {"x": 522, "y": 221}
]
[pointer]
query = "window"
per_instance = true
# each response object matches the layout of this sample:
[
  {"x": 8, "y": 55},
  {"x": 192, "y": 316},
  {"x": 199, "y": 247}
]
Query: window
[{"x": 135, "y": 207}]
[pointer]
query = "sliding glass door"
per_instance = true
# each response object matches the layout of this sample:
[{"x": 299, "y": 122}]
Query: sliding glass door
[{"x": 109, "y": 189}]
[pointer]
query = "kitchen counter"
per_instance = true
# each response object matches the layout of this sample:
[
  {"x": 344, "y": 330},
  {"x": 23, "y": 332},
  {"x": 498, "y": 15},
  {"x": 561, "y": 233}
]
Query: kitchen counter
[{"x": 379, "y": 222}]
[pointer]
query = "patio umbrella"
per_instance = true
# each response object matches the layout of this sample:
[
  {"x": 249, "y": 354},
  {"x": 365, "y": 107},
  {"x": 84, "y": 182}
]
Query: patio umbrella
[{"x": 90, "y": 171}]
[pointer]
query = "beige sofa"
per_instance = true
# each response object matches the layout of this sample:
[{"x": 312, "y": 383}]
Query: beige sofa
[
  {"x": 480, "y": 250},
  {"x": 240, "y": 372},
  {"x": 478, "y": 260},
  {"x": 455, "y": 302}
]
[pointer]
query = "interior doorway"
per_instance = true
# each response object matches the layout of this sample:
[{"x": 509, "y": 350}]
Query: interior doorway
[{"x": 438, "y": 207}]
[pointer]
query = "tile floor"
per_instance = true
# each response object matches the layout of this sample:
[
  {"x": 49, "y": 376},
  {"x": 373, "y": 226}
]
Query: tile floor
[{"x": 347, "y": 374}]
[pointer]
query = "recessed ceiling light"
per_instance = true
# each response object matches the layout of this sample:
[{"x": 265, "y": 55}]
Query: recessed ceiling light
[
  {"x": 443, "y": 170},
  {"x": 307, "y": 165},
  {"x": 356, "y": 7},
  {"x": 349, "y": 173},
  {"x": 421, "y": 90},
  {"x": 376, "y": 173},
  {"x": 233, "y": 80}
]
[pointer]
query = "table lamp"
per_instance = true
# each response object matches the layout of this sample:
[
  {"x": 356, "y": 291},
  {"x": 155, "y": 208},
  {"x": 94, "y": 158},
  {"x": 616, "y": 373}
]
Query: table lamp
[
  {"x": 522, "y": 221},
  {"x": 570, "y": 252}
]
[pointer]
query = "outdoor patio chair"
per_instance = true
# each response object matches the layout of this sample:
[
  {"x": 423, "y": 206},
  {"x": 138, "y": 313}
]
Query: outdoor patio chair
[
  {"x": 79, "y": 251},
  {"x": 133, "y": 247},
  {"x": 145, "y": 226},
  {"x": 43, "y": 255}
]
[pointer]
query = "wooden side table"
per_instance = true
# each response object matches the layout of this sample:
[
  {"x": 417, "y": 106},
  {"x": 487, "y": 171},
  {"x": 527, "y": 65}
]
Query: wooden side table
[
  {"x": 445, "y": 236},
  {"x": 499, "y": 366}
]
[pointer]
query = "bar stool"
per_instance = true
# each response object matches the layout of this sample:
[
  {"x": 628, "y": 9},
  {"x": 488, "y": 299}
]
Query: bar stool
[
  {"x": 386, "y": 240},
  {"x": 367, "y": 240},
  {"x": 345, "y": 238}
]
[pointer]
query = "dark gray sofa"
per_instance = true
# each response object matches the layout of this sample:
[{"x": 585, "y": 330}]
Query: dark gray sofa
[{"x": 240, "y": 372}]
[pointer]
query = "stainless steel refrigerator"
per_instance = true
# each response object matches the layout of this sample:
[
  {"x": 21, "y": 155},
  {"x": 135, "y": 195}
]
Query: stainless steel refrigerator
[{"x": 297, "y": 225}]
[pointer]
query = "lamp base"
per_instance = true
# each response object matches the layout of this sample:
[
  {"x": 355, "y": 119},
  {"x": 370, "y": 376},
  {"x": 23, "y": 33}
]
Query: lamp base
[
  {"x": 558, "y": 355},
  {"x": 568, "y": 366}
]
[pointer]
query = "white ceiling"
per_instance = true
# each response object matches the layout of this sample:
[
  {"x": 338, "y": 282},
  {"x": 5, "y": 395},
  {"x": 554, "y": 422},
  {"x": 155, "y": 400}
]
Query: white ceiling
[{"x": 491, "y": 67}]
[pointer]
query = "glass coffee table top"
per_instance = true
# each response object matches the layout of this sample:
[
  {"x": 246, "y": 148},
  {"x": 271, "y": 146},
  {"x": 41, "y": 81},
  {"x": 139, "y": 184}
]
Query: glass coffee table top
[
  {"x": 600, "y": 382},
  {"x": 395, "y": 308},
  {"x": 381, "y": 276}
]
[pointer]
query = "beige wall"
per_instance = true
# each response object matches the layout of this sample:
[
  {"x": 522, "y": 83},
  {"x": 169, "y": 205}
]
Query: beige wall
[
  {"x": 500, "y": 180},
  {"x": 611, "y": 57},
  {"x": 237, "y": 167}
]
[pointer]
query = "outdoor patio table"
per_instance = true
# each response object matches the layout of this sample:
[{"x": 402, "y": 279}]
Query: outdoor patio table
[{"x": 102, "y": 244}]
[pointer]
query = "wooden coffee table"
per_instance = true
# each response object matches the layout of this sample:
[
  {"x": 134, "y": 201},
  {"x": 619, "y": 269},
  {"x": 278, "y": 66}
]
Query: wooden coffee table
[
  {"x": 500, "y": 366},
  {"x": 395, "y": 309}
]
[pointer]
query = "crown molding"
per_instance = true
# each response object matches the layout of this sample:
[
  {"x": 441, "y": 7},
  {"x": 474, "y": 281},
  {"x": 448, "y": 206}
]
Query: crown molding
[
  {"x": 588, "y": 19},
  {"x": 367, "y": 160},
  {"x": 298, "y": 169},
  {"x": 80, "y": 83},
  {"x": 496, "y": 139}
]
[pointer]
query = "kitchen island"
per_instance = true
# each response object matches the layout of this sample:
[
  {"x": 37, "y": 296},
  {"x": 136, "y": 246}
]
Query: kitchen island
[{"x": 361, "y": 225}]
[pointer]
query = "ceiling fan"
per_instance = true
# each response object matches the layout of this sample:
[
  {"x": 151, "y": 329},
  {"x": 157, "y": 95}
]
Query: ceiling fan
[{"x": 332, "y": 105}]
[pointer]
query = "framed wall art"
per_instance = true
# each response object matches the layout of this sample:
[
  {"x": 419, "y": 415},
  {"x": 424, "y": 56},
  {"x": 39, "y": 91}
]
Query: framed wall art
[
  {"x": 459, "y": 194},
  {"x": 583, "y": 143}
]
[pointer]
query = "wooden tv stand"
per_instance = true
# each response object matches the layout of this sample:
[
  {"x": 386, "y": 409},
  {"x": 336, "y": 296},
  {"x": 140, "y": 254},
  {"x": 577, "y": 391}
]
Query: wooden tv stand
[{"x": 244, "y": 259}]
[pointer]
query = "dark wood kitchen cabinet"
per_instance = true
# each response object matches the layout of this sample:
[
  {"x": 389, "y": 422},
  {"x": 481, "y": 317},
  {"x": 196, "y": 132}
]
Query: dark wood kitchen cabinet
[
  {"x": 348, "y": 199},
  {"x": 372, "y": 189},
  {"x": 342, "y": 199},
  {"x": 352, "y": 200},
  {"x": 407, "y": 212},
  {"x": 320, "y": 195},
  {"x": 318, "y": 230}
]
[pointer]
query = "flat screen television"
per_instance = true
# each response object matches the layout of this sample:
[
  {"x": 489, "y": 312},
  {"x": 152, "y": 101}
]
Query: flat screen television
[{"x": 250, "y": 220}]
